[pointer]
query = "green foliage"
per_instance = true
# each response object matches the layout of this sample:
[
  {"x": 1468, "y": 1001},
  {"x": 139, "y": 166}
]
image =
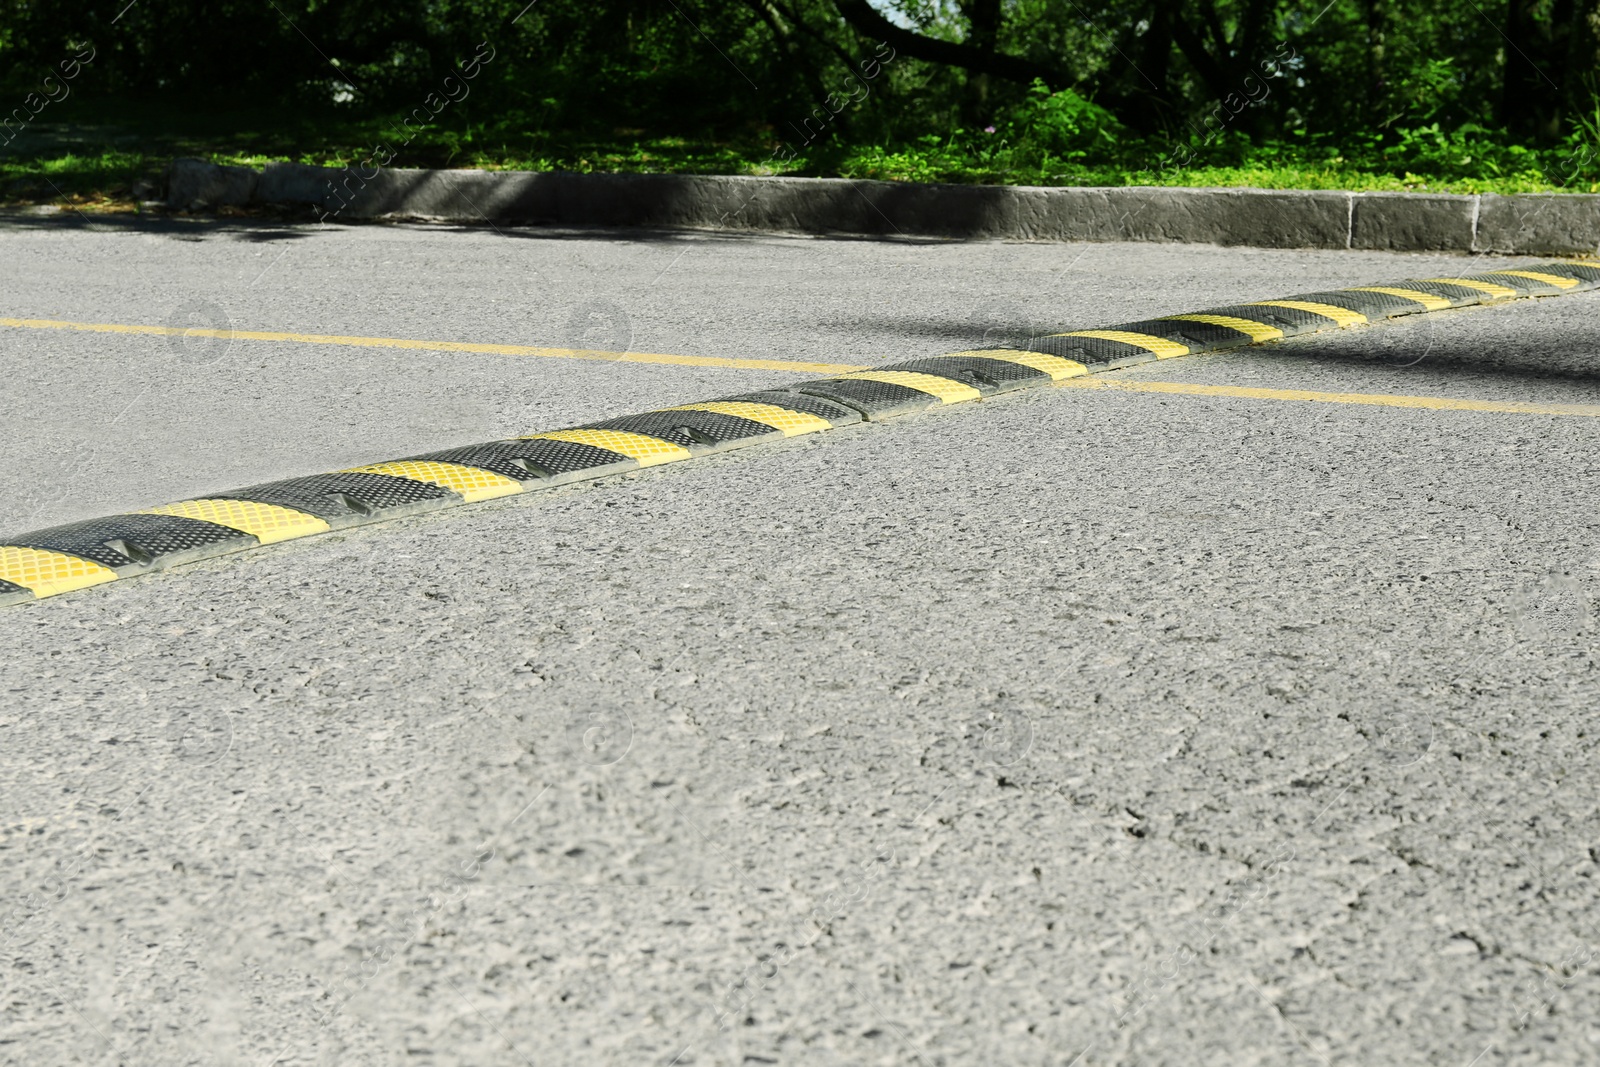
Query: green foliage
[
  {"x": 1059, "y": 126},
  {"x": 1397, "y": 93}
]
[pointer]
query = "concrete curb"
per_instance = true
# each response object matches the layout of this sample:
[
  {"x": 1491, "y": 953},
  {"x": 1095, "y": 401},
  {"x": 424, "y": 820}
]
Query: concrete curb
[{"x": 1538, "y": 224}]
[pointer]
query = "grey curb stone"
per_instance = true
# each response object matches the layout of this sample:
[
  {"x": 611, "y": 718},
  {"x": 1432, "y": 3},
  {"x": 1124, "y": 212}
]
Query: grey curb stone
[
  {"x": 192, "y": 184},
  {"x": 1260, "y": 217},
  {"x": 1413, "y": 222},
  {"x": 1551, "y": 222},
  {"x": 1535, "y": 224}
]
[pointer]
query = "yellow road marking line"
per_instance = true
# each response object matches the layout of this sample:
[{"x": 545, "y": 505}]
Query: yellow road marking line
[
  {"x": 649, "y": 451},
  {"x": 947, "y": 390},
  {"x": 1482, "y": 287},
  {"x": 437, "y": 346},
  {"x": 1427, "y": 300},
  {"x": 1054, "y": 366},
  {"x": 1258, "y": 331},
  {"x": 267, "y": 523},
  {"x": 1384, "y": 400},
  {"x": 1343, "y": 316},
  {"x": 1549, "y": 279},
  {"x": 1163, "y": 348},
  {"x": 791, "y": 423}
]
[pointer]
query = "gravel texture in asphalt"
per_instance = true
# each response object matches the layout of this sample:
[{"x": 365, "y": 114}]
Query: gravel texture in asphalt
[{"x": 1074, "y": 727}]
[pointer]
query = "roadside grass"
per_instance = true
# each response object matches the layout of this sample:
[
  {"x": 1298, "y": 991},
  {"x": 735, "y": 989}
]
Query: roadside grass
[{"x": 93, "y": 157}]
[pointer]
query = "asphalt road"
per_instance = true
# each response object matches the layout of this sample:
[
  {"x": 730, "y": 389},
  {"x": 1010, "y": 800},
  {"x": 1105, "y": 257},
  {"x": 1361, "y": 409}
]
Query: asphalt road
[{"x": 1087, "y": 726}]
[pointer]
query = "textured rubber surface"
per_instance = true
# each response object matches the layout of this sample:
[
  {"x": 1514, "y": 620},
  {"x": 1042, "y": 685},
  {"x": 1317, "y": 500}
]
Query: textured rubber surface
[
  {"x": 1530, "y": 282},
  {"x": 785, "y": 421},
  {"x": 1332, "y": 313},
  {"x": 983, "y": 373},
  {"x": 643, "y": 449},
  {"x": 1375, "y": 301},
  {"x": 265, "y": 522},
  {"x": 1458, "y": 294},
  {"x": 44, "y": 573},
  {"x": 1098, "y": 350},
  {"x": 348, "y": 498},
  {"x": 471, "y": 483},
  {"x": 539, "y": 460},
  {"x": 793, "y": 400},
  {"x": 1195, "y": 336},
  {"x": 874, "y": 398},
  {"x": 1282, "y": 316},
  {"x": 699, "y": 431},
  {"x": 134, "y": 543},
  {"x": 64, "y": 558},
  {"x": 1585, "y": 272}
]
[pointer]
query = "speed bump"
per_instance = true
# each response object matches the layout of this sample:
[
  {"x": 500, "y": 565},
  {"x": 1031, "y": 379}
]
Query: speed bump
[{"x": 77, "y": 555}]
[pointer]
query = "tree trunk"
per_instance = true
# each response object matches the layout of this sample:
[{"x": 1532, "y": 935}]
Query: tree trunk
[
  {"x": 983, "y": 21},
  {"x": 1377, "y": 65},
  {"x": 1533, "y": 96}
]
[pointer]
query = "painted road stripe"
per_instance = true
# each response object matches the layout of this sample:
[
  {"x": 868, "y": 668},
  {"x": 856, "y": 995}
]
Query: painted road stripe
[
  {"x": 1384, "y": 400},
  {"x": 63, "y": 558},
  {"x": 799, "y": 366}
]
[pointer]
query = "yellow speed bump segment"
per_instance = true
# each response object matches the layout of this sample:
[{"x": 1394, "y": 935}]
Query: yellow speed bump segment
[
  {"x": 1488, "y": 288},
  {"x": 1059, "y": 369},
  {"x": 1427, "y": 300},
  {"x": 1159, "y": 347},
  {"x": 44, "y": 563},
  {"x": 1342, "y": 316},
  {"x": 45, "y": 573},
  {"x": 267, "y": 523},
  {"x": 1258, "y": 331},
  {"x": 948, "y": 390},
  {"x": 789, "y": 423},
  {"x": 471, "y": 482},
  {"x": 1547, "y": 279},
  {"x": 647, "y": 451}
]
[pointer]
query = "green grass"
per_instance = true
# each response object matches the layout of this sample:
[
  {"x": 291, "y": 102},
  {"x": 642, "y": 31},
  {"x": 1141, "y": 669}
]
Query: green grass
[
  {"x": 910, "y": 166},
  {"x": 92, "y": 156}
]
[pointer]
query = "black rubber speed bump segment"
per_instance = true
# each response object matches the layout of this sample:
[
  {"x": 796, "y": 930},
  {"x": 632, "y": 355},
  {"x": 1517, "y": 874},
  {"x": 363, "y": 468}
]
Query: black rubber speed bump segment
[
  {"x": 1372, "y": 303},
  {"x": 349, "y": 498},
  {"x": 883, "y": 393},
  {"x": 132, "y": 544},
  {"x": 540, "y": 460},
  {"x": 789, "y": 400},
  {"x": 80, "y": 554},
  {"x": 698, "y": 430},
  {"x": 982, "y": 372}
]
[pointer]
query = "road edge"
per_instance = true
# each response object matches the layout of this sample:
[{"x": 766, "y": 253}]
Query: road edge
[{"x": 1523, "y": 224}]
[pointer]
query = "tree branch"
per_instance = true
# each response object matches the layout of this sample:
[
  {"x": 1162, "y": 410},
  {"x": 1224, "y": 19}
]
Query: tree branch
[{"x": 868, "y": 21}]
